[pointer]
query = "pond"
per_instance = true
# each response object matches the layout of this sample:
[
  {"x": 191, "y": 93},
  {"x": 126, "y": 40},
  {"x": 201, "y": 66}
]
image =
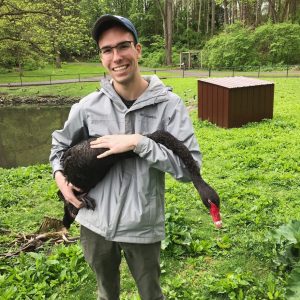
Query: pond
[{"x": 25, "y": 133}]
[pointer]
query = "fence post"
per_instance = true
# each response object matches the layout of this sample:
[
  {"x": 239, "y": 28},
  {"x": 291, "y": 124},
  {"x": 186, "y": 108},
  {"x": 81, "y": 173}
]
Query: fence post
[
  {"x": 183, "y": 72},
  {"x": 233, "y": 72},
  {"x": 155, "y": 71},
  {"x": 21, "y": 80},
  {"x": 209, "y": 72},
  {"x": 50, "y": 79},
  {"x": 79, "y": 77},
  {"x": 258, "y": 71},
  {"x": 287, "y": 71}
]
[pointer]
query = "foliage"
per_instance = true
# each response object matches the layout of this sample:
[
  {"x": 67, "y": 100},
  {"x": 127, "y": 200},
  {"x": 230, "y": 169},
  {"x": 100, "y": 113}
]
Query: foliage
[
  {"x": 20, "y": 36},
  {"x": 239, "y": 46},
  {"x": 34, "y": 32},
  {"x": 287, "y": 247},
  {"x": 36, "y": 275},
  {"x": 277, "y": 43},
  {"x": 240, "y": 285},
  {"x": 233, "y": 48},
  {"x": 153, "y": 55}
]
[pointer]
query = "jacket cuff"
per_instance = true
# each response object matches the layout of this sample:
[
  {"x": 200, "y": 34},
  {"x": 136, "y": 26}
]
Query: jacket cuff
[
  {"x": 141, "y": 146},
  {"x": 56, "y": 168}
]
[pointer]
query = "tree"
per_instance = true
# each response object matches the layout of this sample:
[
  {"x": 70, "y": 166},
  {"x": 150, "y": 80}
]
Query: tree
[
  {"x": 38, "y": 30},
  {"x": 167, "y": 13},
  {"x": 65, "y": 29},
  {"x": 226, "y": 18},
  {"x": 20, "y": 34},
  {"x": 33, "y": 32},
  {"x": 213, "y": 17}
]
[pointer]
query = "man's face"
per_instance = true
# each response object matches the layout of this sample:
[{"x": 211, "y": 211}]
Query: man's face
[{"x": 121, "y": 61}]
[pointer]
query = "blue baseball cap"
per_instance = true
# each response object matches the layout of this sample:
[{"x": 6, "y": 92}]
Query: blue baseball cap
[{"x": 107, "y": 21}]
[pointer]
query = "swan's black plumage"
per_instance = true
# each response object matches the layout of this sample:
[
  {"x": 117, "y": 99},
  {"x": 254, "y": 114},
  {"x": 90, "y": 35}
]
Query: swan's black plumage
[{"x": 84, "y": 170}]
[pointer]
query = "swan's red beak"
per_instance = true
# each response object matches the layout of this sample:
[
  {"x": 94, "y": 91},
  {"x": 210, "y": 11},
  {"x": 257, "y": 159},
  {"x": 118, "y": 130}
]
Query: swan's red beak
[{"x": 215, "y": 214}]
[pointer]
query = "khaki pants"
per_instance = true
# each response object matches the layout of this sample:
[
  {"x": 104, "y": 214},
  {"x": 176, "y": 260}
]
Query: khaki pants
[{"x": 104, "y": 257}]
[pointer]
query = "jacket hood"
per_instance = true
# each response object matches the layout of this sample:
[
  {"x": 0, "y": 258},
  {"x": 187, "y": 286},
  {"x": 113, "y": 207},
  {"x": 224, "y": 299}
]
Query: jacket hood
[{"x": 155, "y": 93}]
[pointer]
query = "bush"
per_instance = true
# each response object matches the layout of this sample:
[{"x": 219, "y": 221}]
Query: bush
[
  {"x": 232, "y": 48},
  {"x": 277, "y": 43},
  {"x": 154, "y": 54},
  {"x": 268, "y": 44}
]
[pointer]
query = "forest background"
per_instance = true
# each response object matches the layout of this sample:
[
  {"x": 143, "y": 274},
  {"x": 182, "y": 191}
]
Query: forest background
[{"x": 229, "y": 33}]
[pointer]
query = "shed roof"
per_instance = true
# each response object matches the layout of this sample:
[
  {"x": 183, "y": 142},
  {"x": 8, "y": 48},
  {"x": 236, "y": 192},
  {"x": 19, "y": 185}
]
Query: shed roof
[{"x": 236, "y": 82}]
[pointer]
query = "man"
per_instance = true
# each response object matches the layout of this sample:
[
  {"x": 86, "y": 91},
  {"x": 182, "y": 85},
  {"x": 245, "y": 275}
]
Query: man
[{"x": 129, "y": 214}]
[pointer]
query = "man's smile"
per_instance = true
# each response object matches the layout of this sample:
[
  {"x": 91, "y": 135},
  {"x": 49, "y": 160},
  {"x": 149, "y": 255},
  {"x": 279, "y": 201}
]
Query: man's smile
[{"x": 120, "y": 68}]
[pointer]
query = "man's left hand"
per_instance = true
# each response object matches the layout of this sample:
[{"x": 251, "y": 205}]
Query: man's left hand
[{"x": 116, "y": 143}]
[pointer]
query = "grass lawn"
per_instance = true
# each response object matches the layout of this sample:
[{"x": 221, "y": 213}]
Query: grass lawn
[
  {"x": 255, "y": 170},
  {"x": 68, "y": 70}
]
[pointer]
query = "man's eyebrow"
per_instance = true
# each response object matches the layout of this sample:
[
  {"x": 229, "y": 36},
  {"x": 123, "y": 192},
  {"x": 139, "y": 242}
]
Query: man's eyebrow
[
  {"x": 105, "y": 46},
  {"x": 110, "y": 46}
]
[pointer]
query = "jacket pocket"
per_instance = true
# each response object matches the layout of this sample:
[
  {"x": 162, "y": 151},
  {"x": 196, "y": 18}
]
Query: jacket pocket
[
  {"x": 147, "y": 124},
  {"x": 102, "y": 127}
]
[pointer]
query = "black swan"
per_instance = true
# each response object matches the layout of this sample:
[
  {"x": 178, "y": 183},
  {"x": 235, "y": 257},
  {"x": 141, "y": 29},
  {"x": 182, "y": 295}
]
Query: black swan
[{"x": 84, "y": 170}]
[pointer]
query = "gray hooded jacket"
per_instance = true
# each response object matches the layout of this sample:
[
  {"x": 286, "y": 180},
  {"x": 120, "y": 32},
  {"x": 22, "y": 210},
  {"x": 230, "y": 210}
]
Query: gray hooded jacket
[{"x": 130, "y": 199}]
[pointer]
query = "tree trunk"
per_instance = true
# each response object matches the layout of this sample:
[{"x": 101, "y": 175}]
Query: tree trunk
[
  {"x": 286, "y": 11},
  {"x": 199, "y": 16},
  {"x": 19, "y": 63},
  {"x": 187, "y": 14},
  {"x": 241, "y": 7},
  {"x": 272, "y": 11},
  {"x": 226, "y": 20},
  {"x": 58, "y": 60},
  {"x": 247, "y": 15},
  {"x": 258, "y": 13},
  {"x": 207, "y": 17},
  {"x": 169, "y": 14},
  {"x": 293, "y": 9},
  {"x": 20, "y": 69},
  {"x": 213, "y": 17},
  {"x": 234, "y": 11},
  {"x": 166, "y": 14}
]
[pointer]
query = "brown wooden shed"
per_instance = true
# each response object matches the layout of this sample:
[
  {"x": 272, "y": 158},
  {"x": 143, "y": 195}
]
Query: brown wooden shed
[{"x": 234, "y": 101}]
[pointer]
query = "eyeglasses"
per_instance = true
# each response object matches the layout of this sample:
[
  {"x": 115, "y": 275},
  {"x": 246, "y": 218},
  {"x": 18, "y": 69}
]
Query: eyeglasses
[{"x": 121, "y": 48}]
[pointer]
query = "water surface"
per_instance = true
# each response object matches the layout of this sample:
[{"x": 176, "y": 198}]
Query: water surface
[{"x": 25, "y": 133}]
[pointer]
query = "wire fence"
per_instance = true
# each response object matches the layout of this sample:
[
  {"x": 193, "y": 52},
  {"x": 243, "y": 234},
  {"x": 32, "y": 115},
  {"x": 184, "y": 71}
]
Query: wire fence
[
  {"x": 254, "y": 71},
  {"x": 49, "y": 79}
]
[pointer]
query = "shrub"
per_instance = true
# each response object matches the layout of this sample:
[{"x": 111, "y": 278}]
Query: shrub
[
  {"x": 232, "y": 48},
  {"x": 277, "y": 43},
  {"x": 268, "y": 44}
]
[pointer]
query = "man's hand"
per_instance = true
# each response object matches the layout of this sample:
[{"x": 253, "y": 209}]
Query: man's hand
[
  {"x": 67, "y": 189},
  {"x": 116, "y": 143}
]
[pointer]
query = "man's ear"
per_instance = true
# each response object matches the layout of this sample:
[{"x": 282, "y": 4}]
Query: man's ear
[
  {"x": 100, "y": 59},
  {"x": 138, "y": 48}
]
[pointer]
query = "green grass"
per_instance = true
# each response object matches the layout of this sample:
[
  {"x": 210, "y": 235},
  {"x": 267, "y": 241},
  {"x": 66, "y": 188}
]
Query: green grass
[
  {"x": 79, "y": 89},
  {"x": 69, "y": 70},
  {"x": 255, "y": 169}
]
